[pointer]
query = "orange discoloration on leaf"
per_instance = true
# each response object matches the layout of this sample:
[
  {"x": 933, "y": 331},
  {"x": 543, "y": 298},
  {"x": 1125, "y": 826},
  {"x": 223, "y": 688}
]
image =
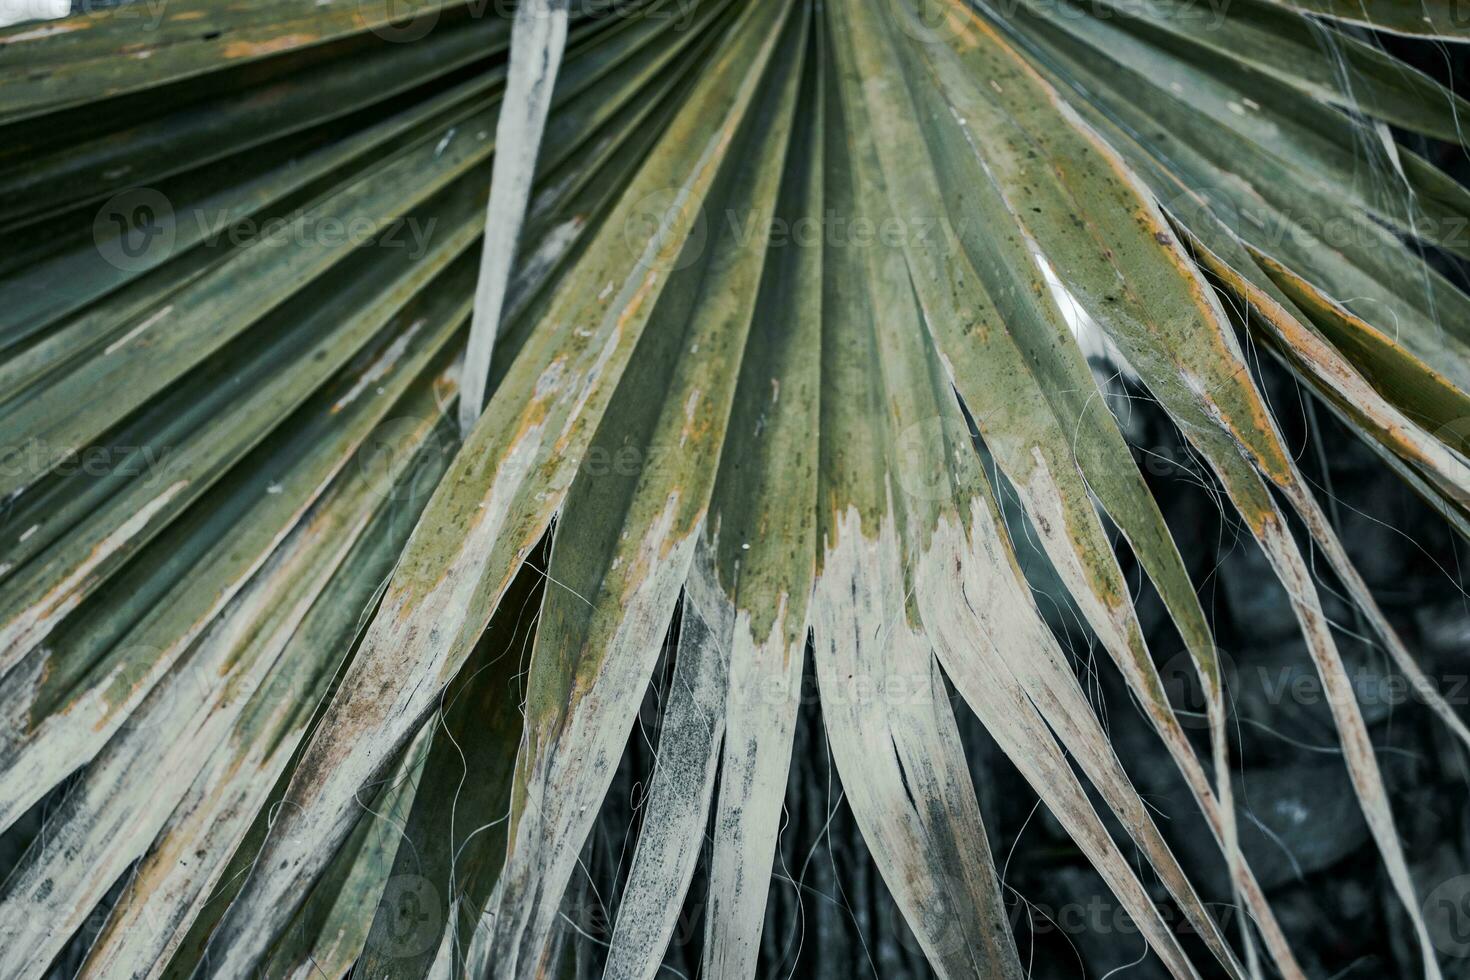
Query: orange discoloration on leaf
[
  {"x": 237, "y": 50},
  {"x": 37, "y": 620},
  {"x": 1303, "y": 345},
  {"x": 1258, "y": 438},
  {"x": 1364, "y": 335}
]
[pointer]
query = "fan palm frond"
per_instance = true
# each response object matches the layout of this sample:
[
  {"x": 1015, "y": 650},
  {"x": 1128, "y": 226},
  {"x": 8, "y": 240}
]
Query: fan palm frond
[{"x": 800, "y": 294}]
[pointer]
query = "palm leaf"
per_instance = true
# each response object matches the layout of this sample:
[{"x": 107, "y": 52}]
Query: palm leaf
[{"x": 784, "y": 300}]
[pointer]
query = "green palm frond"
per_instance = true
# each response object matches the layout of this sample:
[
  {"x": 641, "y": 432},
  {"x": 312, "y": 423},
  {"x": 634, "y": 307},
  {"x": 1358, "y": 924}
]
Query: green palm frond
[{"x": 801, "y": 292}]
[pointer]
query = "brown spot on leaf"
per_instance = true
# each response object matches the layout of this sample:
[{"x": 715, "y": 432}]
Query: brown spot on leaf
[{"x": 257, "y": 49}]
